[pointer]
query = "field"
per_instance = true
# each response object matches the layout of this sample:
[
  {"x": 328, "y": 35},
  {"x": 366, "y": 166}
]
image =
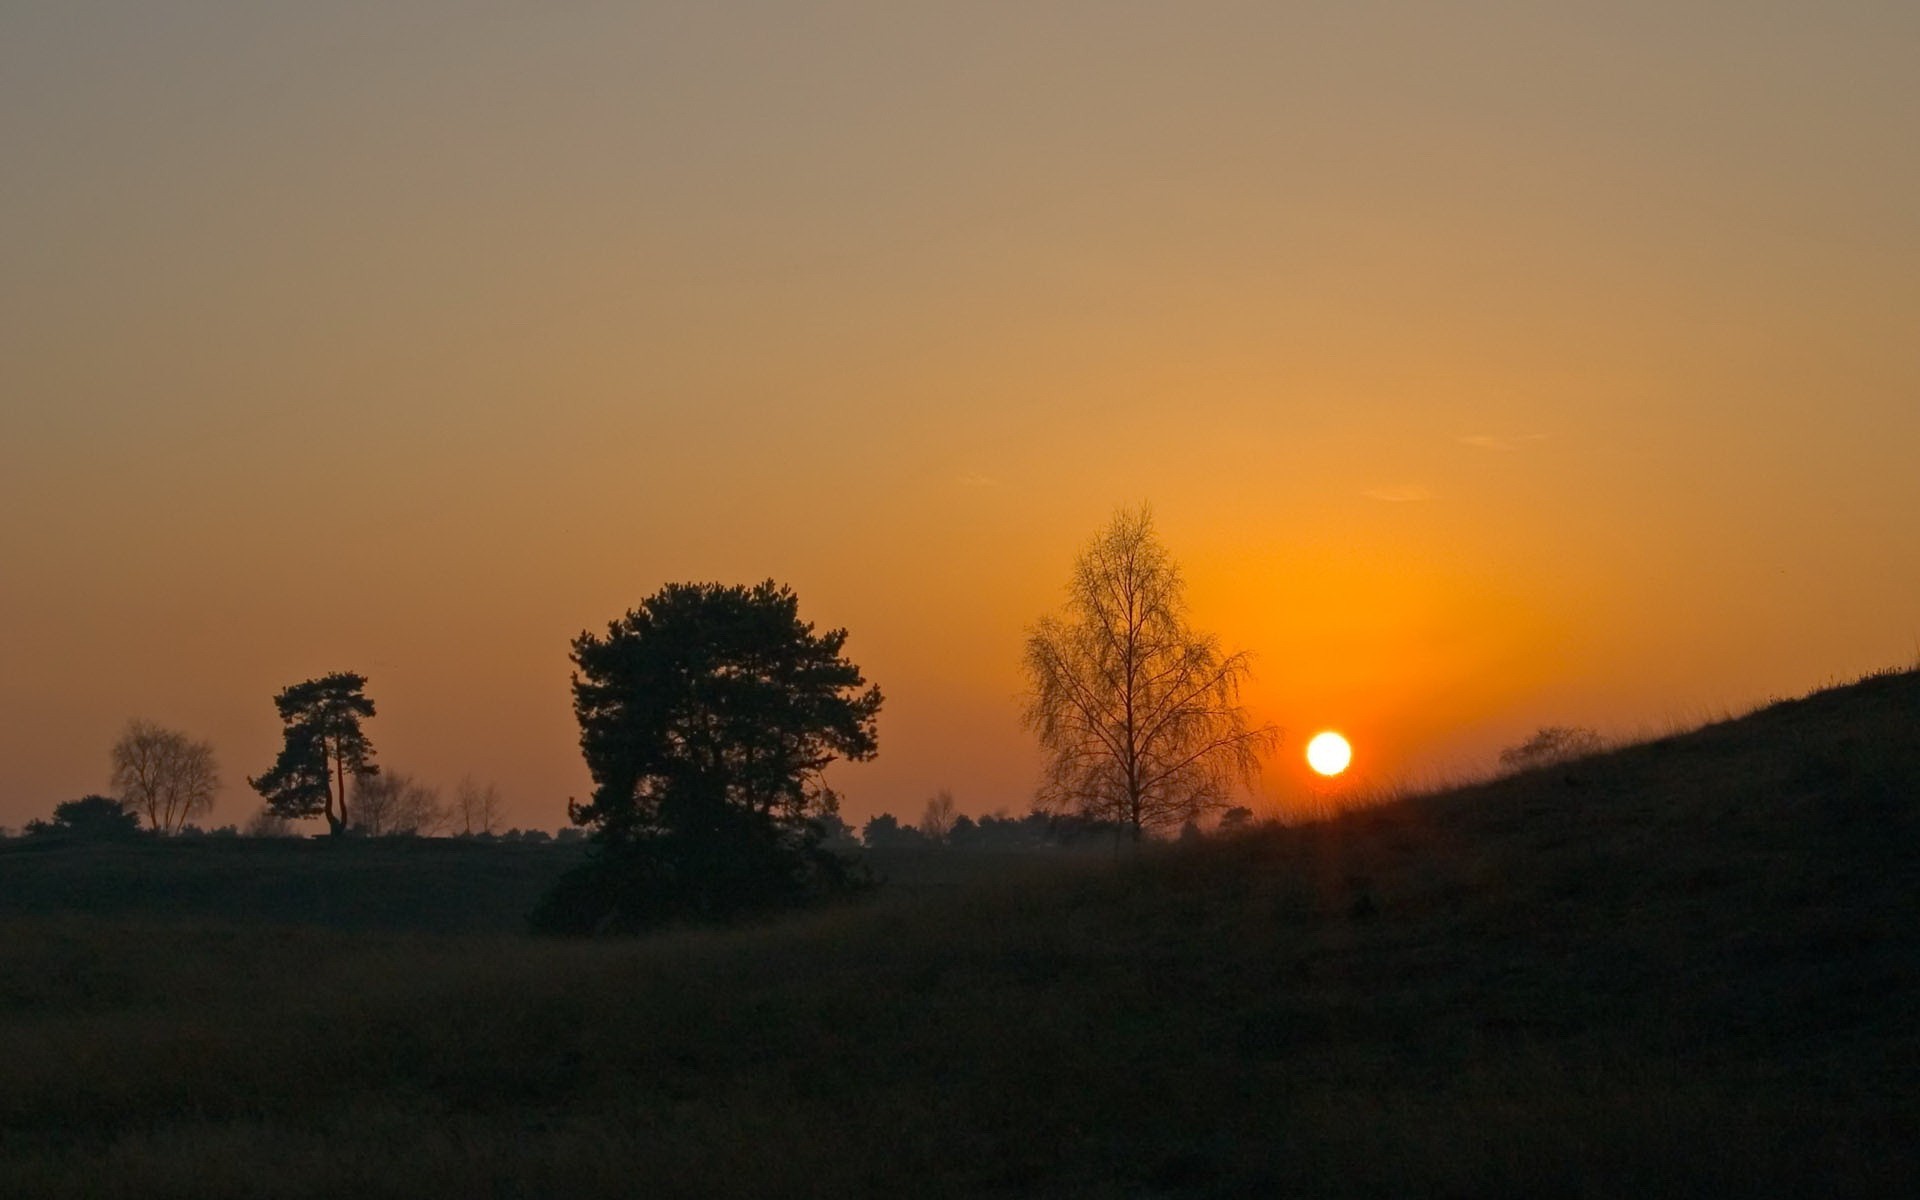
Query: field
[{"x": 1689, "y": 966}]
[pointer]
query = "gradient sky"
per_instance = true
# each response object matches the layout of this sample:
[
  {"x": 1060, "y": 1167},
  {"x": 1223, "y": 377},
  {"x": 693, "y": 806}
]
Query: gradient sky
[{"x": 1487, "y": 365}]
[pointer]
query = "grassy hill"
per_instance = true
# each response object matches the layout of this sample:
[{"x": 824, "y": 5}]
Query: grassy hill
[{"x": 1689, "y": 966}]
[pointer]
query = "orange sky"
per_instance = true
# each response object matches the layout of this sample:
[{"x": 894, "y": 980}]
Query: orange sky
[{"x": 1486, "y": 368}]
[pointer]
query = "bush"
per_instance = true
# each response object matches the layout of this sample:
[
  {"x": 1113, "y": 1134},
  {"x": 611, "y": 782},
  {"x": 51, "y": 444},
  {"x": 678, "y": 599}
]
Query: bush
[
  {"x": 1551, "y": 744},
  {"x": 90, "y": 818}
]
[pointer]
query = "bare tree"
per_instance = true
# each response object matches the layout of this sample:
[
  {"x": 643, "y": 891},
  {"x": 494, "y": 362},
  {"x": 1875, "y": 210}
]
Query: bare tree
[
  {"x": 476, "y": 807},
  {"x": 391, "y": 804},
  {"x": 268, "y": 824},
  {"x": 936, "y": 820},
  {"x": 1139, "y": 715},
  {"x": 163, "y": 775}
]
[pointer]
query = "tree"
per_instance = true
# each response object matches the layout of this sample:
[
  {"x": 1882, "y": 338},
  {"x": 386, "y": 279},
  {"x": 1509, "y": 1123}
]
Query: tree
[
  {"x": 936, "y": 820},
  {"x": 1002, "y": 831},
  {"x": 1549, "y": 745},
  {"x": 885, "y": 832},
  {"x": 94, "y": 818},
  {"x": 324, "y": 744},
  {"x": 268, "y": 824},
  {"x": 391, "y": 804},
  {"x": 707, "y": 716},
  {"x": 163, "y": 775},
  {"x": 835, "y": 833},
  {"x": 1138, "y": 714},
  {"x": 476, "y": 807}
]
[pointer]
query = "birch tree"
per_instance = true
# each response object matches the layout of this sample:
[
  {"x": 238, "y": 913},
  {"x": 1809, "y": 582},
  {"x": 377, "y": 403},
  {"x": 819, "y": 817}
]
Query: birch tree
[{"x": 1138, "y": 713}]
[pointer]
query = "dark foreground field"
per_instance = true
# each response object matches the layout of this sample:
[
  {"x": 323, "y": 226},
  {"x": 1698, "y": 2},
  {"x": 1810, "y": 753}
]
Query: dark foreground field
[{"x": 1691, "y": 967}]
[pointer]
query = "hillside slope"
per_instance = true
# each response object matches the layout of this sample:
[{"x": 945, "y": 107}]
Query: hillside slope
[{"x": 1689, "y": 966}]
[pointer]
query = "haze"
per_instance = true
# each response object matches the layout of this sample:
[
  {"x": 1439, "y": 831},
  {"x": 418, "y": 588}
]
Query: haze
[{"x": 1486, "y": 366}]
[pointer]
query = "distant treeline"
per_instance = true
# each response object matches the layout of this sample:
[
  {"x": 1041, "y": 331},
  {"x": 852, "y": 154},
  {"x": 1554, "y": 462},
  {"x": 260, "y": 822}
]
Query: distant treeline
[
  {"x": 103, "y": 818},
  {"x": 1038, "y": 830}
]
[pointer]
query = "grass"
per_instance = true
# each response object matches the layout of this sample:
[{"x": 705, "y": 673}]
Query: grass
[{"x": 1687, "y": 966}]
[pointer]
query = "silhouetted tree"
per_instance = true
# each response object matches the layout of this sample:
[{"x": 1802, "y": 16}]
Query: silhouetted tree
[
  {"x": 1038, "y": 827},
  {"x": 1139, "y": 715},
  {"x": 324, "y": 744},
  {"x": 1549, "y": 745},
  {"x": 163, "y": 775},
  {"x": 93, "y": 818},
  {"x": 391, "y": 804},
  {"x": 999, "y": 831},
  {"x": 707, "y": 715},
  {"x": 268, "y": 824},
  {"x": 1236, "y": 819},
  {"x": 964, "y": 833},
  {"x": 936, "y": 819},
  {"x": 835, "y": 833},
  {"x": 883, "y": 831},
  {"x": 476, "y": 807},
  {"x": 1064, "y": 829}
]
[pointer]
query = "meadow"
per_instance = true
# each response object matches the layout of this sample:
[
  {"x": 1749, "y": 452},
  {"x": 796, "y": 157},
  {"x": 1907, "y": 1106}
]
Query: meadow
[{"x": 1687, "y": 966}]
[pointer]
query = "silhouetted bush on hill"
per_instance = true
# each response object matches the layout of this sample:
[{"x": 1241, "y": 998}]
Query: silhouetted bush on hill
[
  {"x": 1552, "y": 744},
  {"x": 90, "y": 818}
]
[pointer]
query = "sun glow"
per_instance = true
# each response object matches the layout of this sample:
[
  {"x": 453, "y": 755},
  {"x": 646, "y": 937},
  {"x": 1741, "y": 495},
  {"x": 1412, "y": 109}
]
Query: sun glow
[{"x": 1328, "y": 753}]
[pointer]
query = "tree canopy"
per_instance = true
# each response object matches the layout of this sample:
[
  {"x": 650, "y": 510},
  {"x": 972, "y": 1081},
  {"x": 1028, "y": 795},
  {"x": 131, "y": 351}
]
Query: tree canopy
[
  {"x": 1138, "y": 713},
  {"x": 324, "y": 745},
  {"x": 707, "y": 716}
]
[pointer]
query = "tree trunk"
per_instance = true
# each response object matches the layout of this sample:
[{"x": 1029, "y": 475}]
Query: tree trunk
[{"x": 337, "y": 826}]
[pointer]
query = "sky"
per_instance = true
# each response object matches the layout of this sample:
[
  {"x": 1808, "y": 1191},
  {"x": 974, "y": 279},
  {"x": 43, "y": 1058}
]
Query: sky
[{"x": 1486, "y": 365}]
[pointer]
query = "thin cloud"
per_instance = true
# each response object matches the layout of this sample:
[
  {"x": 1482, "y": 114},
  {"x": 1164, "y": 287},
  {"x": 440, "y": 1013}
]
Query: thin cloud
[
  {"x": 981, "y": 481},
  {"x": 1488, "y": 441},
  {"x": 1410, "y": 494}
]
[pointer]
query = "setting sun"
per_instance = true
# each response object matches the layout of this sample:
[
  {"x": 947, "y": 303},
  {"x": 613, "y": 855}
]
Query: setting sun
[{"x": 1328, "y": 753}]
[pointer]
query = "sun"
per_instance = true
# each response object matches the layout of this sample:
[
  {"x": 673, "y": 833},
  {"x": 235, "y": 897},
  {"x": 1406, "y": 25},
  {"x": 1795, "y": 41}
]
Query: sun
[{"x": 1329, "y": 753}]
